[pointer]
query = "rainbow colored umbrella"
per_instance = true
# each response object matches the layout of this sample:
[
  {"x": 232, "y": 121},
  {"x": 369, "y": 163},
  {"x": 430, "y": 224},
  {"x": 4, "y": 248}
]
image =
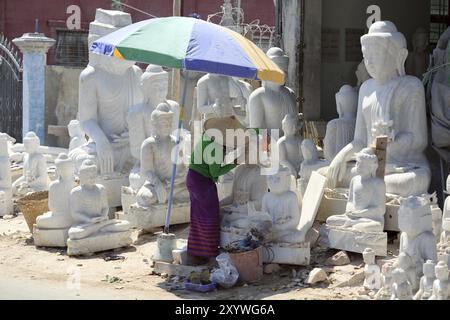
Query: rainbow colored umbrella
[
  {"x": 190, "y": 44},
  {"x": 193, "y": 45}
]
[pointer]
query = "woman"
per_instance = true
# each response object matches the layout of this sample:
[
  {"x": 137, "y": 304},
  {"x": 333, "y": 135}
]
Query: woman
[{"x": 204, "y": 170}]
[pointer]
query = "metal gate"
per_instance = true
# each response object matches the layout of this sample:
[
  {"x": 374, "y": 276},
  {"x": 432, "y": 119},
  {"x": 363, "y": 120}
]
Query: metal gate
[{"x": 10, "y": 90}]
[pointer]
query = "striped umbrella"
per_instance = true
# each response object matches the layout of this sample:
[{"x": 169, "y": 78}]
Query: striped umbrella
[{"x": 193, "y": 45}]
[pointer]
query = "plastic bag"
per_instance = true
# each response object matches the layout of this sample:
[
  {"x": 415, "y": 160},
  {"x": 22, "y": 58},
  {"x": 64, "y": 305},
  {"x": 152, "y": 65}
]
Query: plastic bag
[{"x": 227, "y": 274}]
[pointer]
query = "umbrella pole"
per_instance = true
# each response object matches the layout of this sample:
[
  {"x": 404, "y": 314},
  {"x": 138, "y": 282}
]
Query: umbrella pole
[{"x": 175, "y": 158}]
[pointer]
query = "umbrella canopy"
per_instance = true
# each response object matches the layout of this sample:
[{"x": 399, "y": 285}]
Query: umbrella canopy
[{"x": 190, "y": 44}]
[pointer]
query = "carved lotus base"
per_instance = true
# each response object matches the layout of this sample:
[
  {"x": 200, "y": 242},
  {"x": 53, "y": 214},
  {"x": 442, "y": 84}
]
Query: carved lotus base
[
  {"x": 353, "y": 241},
  {"x": 98, "y": 243},
  {"x": 155, "y": 216},
  {"x": 50, "y": 237}
]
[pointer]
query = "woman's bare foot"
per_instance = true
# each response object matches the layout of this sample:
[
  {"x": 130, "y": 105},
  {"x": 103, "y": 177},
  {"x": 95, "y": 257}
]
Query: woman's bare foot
[{"x": 196, "y": 261}]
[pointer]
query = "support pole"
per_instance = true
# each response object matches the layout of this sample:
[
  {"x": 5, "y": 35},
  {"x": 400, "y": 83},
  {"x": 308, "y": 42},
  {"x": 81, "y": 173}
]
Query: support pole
[{"x": 176, "y": 73}]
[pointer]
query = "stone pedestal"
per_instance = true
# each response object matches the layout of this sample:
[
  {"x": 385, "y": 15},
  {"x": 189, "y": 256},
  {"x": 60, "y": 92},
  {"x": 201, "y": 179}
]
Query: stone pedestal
[
  {"x": 293, "y": 254},
  {"x": 98, "y": 243},
  {"x": 34, "y": 47},
  {"x": 128, "y": 198},
  {"x": 50, "y": 237},
  {"x": 155, "y": 216},
  {"x": 353, "y": 241}
]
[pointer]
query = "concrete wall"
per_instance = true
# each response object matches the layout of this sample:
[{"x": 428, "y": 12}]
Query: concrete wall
[
  {"x": 61, "y": 100},
  {"x": 408, "y": 15}
]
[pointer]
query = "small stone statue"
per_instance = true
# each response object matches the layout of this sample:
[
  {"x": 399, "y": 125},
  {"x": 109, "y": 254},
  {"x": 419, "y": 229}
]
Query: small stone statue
[
  {"x": 372, "y": 271},
  {"x": 366, "y": 204},
  {"x": 417, "y": 238},
  {"x": 77, "y": 136},
  {"x": 406, "y": 263},
  {"x": 269, "y": 104},
  {"x": 401, "y": 288},
  {"x": 310, "y": 163},
  {"x": 282, "y": 205},
  {"x": 385, "y": 292},
  {"x": 156, "y": 162},
  {"x": 34, "y": 176},
  {"x": 441, "y": 284},
  {"x": 6, "y": 206},
  {"x": 289, "y": 146},
  {"x": 340, "y": 132},
  {"x": 59, "y": 216},
  {"x": 426, "y": 282},
  {"x": 445, "y": 235},
  {"x": 417, "y": 62}
]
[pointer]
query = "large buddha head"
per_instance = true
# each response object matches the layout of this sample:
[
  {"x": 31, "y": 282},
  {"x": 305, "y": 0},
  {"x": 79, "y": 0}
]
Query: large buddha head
[
  {"x": 155, "y": 83},
  {"x": 385, "y": 51}
]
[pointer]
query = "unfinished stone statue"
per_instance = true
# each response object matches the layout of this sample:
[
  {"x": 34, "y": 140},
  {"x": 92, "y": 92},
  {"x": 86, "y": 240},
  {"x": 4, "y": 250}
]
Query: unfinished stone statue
[
  {"x": 108, "y": 88},
  {"x": 92, "y": 230},
  {"x": 269, "y": 104},
  {"x": 444, "y": 242},
  {"x": 51, "y": 228},
  {"x": 77, "y": 136},
  {"x": 406, "y": 263},
  {"x": 340, "y": 132},
  {"x": 289, "y": 146},
  {"x": 441, "y": 285},
  {"x": 401, "y": 288},
  {"x": 366, "y": 204},
  {"x": 417, "y": 238},
  {"x": 6, "y": 206},
  {"x": 372, "y": 271},
  {"x": 361, "y": 74},
  {"x": 391, "y": 104},
  {"x": 426, "y": 282},
  {"x": 417, "y": 62},
  {"x": 310, "y": 163},
  {"x": 34, "y": 176},
  {"x": 282, "y": 205},
  {"x": 221, "y": 96},
  {"x": 385, "y": 292},
  {"x": 156, "y": 164},
  {"x": 155, "y": 87}
]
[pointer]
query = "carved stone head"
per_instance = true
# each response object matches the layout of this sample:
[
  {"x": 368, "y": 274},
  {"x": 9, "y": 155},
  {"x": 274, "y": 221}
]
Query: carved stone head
[
  {"x": 74, "y": 128},
  {"x": 441, "y": 271},
  {"x": 88, "y": 173},
  {"x": 278, "y": 56},
  {"x": 162, "y": 119},
  {"x": 290, "y": 125},
  {"x": 384, "y": 50},
  {"x": 280, "y": 182},
  {"x": 414, "y": 216},
  {"x": 64, "y": 166},
  {"x": 347, "y": 101},
  {"x": 428, "y": 268},
  {"x": 31, "y": 142},
  {"x": 309, "y": 151},
  {"x": 155, "y": 83},
  {"x": 366, "y": 163},
  {"x": 369, "y": 256}
]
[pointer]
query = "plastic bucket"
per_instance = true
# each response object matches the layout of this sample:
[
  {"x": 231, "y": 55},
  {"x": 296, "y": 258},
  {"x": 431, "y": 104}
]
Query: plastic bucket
[{"x": 249, "y": 264}]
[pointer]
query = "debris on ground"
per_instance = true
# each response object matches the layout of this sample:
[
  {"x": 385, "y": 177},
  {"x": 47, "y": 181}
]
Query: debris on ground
[
  {"x": 114, "y": 257},
  {"x": 271, "y": 268},
  {"x": 339, "y": 259},
  {"x": 317, "y": 275}
]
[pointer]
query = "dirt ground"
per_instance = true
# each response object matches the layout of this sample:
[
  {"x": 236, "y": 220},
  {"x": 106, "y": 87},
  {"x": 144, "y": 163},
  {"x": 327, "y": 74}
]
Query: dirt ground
[{"x": 27, "y": 272}]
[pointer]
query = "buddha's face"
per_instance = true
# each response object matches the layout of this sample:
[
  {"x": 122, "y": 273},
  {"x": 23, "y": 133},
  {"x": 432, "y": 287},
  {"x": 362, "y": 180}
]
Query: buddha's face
[
  {"x": 163, "y": 126},
  {"x": 369, "y": 257},
  {"x": 65, "y": 169},
  {"x": 88, "y": 176},
  {"x": 365, "y": 167},
  {"x": 379, "y": 62},
  {"x": 156, "y": 89},
  {"x": 30, "y": 145}
]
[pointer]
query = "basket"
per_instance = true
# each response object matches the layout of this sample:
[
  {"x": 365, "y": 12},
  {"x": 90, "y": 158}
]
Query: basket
[
  {"x": 32, "y": 206},
  {"x": 249, "y": 264}
]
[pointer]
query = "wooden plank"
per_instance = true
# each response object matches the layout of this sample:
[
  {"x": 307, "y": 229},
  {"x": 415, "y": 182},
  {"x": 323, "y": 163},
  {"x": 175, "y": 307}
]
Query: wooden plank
[
  {"x": 59, "y": 131},
  {"x": 380, "y": 150}
]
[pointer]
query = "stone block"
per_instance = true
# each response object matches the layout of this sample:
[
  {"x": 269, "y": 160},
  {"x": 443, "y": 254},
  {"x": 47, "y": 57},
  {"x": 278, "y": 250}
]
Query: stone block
[
  {"x": 353, "y": 241},
  {"x": 50, "y": 237},
  {"x": 155, "y": 216},
  {"x": 113, "y": 187},
  {"x": 98, "y": 243},
  {"x": 128, "y": 198},
  {"x": 113, "y": 17},
  {"x": 287, "y": 254},
  {"x": 176, "y": 269}
]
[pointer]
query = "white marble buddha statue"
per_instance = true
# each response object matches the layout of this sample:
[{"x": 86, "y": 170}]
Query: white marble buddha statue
[
  {"x": 385, "y": 291},
  {"x": 310, "y": 163},
  {"x": 220, "y": 96},
  {"x": 361, "y": 74},
  {"x": 366, "y": 203},
  {"x": 426, "y": 282},
  {"x": 401, "y": 287},
  {"x": 34, "y": 176},
  {"x": 441, "y": 285},
  {"x": 155, "y": 88},
  {"x": 5, "y": 177},
  {"x": 156, "y": 162},
  {"x": 282, "y": 205},
  {"x": 417, "y": 238},
  {"x": 89, "y": 207},
  {"x": 269, "y": 104},
  {"x": 59, "y": 216},
  {"x": 290, "y": 145},
  {"x": 444, "y": 242},
  {"x": 108, "y": 88},
  {"x": 417, "y": 62},
  {"x": 372, "y": 272},
  {"x": 340, "y": 132},
  {"x": 77, "y": 136},
  {"x": 406, "y": 263},
  {"x": 390, "y": 104}
]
